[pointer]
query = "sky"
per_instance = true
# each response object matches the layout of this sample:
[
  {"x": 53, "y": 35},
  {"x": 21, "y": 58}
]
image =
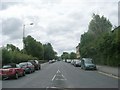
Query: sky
[{"x": 59, "y": 22}]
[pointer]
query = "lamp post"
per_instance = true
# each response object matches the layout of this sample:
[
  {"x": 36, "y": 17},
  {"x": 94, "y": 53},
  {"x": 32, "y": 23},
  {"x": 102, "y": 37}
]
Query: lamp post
[{"x": 24, "y": 25}]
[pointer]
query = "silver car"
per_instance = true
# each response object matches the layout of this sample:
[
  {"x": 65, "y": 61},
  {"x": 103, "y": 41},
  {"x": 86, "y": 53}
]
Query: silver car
[{"x": 87, "y": 64}]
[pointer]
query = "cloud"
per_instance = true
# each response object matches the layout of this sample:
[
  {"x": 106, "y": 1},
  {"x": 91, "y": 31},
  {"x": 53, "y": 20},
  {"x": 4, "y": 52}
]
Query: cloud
[
  {"x": 60, "y": 22},
  {"x": 11, "y": 27},
  {"x": 6, "y": 5}
]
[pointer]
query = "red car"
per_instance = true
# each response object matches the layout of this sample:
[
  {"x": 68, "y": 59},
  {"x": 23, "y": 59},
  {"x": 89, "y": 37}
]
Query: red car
[{"x": 11, "y": 71}]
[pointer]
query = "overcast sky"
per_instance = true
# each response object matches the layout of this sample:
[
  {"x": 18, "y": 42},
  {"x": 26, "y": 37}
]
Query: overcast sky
[{"x": 60, "y": 22}]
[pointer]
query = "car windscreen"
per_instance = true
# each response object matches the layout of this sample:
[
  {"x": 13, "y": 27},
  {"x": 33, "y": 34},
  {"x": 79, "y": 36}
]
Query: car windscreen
[
  {"x": 78, "y": 61},
  {"x": 88, "y": 61},
  {"x": 7, "y": 66},
  {"x": 23, "y": 64}
]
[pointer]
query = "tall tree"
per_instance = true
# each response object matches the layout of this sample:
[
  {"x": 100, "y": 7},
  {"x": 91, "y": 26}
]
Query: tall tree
[
  {"x": 49, "y": 53},
  {"x": 34, "y": 48},
  {"x": 100, "y": 42},
  {"x": 99, "y": 25},
  {"x": 65, "y": 55},
  {"x": 12, "y": 47},
  {"x": 73, "y": 55}
]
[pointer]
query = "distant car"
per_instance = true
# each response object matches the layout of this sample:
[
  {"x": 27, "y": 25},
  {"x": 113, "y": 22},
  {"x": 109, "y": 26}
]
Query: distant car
[
  {"x": 28, "y": 67},
  {"x": 68, "y": 61},
  {"x": 36, "y": 64},
  {"x": 52, "y": 61},
  {"x": 77, "y": 63},
  {"x": 11, "y": 71},
  {"x": 87, "y": 64},
  {"x": 72, "y": 62},
  {"x": 64, "y": 60}
]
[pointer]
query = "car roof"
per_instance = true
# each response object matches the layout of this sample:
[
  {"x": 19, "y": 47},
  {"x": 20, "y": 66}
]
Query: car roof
[{"x": 86, "y": 58}]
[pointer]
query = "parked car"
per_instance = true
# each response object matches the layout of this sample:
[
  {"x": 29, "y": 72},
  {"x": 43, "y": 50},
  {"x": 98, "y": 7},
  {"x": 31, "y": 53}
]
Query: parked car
[
  {"x": 64, "y": 60},
  {"x": 52, "y": 61},
  {"x": 68, "y": 61},
  {"x": 87, "y": 64},
  {"x": 11, "y": 71},
  {"x": 36, "y": 64},
  {"x": 28, "y": 67},
  {"x": 77, "y": 63},
  {"x": 72, "y": 62}
]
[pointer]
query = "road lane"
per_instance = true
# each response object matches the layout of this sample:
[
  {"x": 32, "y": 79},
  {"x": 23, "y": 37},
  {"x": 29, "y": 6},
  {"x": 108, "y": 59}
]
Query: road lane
[
  {"x": 64, "y": 75},
  {"x": 39, "y": 79},
  {"x": 78, "y": 78}
]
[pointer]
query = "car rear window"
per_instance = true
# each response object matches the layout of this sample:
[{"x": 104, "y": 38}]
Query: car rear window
[
  {"x": 88, "y": 61},
  {"x": 7, "y": 66},
  {"x": 22, "y": 64}
]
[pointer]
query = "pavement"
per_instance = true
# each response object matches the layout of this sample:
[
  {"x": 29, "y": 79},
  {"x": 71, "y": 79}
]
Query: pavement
[
  {"x": 62, "y": 75},
  {"x": 108, "y": 70}
]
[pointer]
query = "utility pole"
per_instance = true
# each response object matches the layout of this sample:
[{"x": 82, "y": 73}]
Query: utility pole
[{"x": 24, "y": 35}]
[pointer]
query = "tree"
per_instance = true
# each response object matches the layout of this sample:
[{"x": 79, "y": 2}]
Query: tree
[
  {"x": 34, "y": 48},
  {"x": 49, "y": 53},
  {"x": 6, "y": 58},
  {"x": 98, "y": 25},
  {"x": 73, "y": 55},
  {"x": 12, "y": 47},
  {"x": 100, "y": 43},
  {"x": 12, "y": 55},
  {"x": 65, "y": 55}
]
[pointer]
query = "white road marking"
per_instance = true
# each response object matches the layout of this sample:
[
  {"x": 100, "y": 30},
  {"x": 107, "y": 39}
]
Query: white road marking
[
  {"x": 110, "y": 75},
  {"x": 64, "y": 77},
  {"x": 60, "y": 79},
  {"x": 53, "y": 77},
  {"x": 58, "y": 75},
  {"x": 58, "y": 71}
]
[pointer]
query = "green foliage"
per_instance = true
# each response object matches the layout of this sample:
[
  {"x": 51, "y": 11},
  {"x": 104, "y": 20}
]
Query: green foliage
[
  {"x": 10, "y": 56},
  {"x": 65, "y": 55},
  {"x": 49, "y": 53},
  {"x": 73, "y": 55},
  {"x": 99, "y": 25},
  {"x": 100, "y": 43},
  {"x": 12, "y": 47},
  {"x": 33, "y": 48}
]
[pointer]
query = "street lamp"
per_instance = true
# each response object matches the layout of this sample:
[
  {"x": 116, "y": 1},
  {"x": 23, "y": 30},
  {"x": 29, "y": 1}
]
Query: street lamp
[{"x": 24, "y": 25}]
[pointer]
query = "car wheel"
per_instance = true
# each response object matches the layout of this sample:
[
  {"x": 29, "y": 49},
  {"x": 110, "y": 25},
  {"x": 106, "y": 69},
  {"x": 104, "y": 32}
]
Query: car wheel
[
  {"x": 95, "y": 69},
  {"x": 30, "y": 72},
  {"x": 16, "y": 76},
  {"x": 39, "y": 68},
  {"x": 33, "y": 70},
  {"x": 24, "y": 73}
]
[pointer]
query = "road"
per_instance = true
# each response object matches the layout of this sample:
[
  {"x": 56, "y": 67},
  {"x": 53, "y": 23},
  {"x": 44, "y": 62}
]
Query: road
[{"x": 63, "y": 75}]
